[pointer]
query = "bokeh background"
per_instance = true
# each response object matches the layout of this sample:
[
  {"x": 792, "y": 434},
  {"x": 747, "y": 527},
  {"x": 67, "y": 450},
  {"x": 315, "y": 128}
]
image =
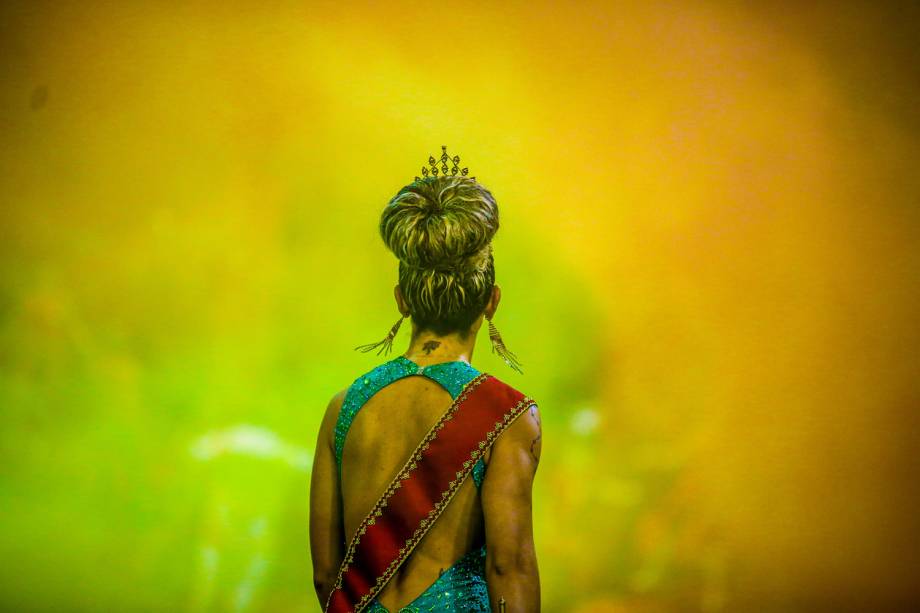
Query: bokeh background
[{"x": 709, "y": 257}]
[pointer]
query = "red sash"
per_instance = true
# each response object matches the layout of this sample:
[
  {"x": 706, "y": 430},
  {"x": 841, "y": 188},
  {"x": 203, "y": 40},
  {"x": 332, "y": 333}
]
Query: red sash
[{"x": 422, "y": 489}]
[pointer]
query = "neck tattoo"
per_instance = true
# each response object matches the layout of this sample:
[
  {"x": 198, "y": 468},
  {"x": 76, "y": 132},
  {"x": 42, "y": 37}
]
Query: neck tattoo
[{"x": 430, "y": 346}]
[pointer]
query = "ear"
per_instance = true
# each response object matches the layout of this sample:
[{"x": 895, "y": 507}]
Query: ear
[
  {"x": 492, "y": 304},
  {"x": 400, "y": 301}
]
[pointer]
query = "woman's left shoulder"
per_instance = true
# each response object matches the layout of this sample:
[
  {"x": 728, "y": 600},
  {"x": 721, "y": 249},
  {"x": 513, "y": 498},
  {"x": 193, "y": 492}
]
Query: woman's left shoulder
[{"x": 513, "y": 392}]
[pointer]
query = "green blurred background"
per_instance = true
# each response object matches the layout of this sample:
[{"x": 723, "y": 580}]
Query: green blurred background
[{"x": 708, "y": 253}]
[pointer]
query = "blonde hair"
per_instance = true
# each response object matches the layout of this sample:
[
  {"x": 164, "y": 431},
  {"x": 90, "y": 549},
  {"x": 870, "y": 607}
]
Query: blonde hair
[{"x": 440, "y": 229}]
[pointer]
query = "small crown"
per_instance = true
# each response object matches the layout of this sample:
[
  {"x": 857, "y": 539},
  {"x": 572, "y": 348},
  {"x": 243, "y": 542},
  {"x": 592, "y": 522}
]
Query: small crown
[{"x": 439, "y": 166}]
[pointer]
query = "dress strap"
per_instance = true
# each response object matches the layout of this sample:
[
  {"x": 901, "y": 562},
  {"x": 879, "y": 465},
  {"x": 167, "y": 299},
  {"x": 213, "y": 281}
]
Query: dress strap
[
  {"x": 360, "y": 392},
  {"x": 422, "y": 489},
  {"x": 452, "y": 376}
]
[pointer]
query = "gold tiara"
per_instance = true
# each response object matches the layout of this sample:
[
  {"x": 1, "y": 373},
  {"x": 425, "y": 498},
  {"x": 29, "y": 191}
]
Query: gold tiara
[{"x": 440, "y": 166}]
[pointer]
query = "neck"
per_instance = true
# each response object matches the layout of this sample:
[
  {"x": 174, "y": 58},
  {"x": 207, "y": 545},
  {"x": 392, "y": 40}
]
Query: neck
[{"x": 426, "y": 347}]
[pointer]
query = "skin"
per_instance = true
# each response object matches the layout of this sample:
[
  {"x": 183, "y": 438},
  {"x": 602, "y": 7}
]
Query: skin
[{"x": 499, "y": 515}]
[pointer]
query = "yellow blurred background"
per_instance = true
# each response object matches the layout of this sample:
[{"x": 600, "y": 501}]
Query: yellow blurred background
[{"x": 708, "y": 255}]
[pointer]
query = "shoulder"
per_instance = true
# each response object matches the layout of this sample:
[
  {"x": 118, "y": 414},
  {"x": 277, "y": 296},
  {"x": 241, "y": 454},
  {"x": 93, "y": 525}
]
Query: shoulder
[
  {"x": 527, "y": 426},
  {"x": 337, "y": 399},
  {"x": 510, "y": 394},
  {"x": 358, "y": 391},
  {"x": 377, "y": 377},
  {"x": 333, "y": 407},
  {"x": 525, "y": 430},
  {"x": 364, "y": 382}
]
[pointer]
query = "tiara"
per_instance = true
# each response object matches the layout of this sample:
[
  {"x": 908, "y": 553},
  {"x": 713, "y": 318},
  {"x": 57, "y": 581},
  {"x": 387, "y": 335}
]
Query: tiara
[{"x": 434, "y": 169}]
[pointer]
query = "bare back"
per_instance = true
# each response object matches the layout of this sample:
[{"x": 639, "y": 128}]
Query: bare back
[{"x": 382, "y": 436}]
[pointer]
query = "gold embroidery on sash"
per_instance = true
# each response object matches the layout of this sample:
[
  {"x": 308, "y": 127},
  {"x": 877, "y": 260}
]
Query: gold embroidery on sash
[{"x": 446, "y": 496}]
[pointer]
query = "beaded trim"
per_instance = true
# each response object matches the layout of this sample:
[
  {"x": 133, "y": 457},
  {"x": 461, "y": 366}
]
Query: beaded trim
[{"x": 446, "y": 496}]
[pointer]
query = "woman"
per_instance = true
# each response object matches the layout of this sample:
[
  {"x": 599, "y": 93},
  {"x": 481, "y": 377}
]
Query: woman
[{"x": 395, "y": 524}]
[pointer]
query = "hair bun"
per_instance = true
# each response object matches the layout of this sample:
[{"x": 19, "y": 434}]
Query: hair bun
[{"x": 443, "y": 224}]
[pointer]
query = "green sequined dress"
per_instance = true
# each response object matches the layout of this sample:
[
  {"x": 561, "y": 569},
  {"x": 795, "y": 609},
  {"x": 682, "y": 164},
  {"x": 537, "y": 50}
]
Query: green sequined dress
[{"x": 462, "y": 587}]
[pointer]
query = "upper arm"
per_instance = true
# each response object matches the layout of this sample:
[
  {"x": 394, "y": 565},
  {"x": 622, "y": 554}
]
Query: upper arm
[
  {"x": 507, "y": 493},
  {"x": 326, "y": 527}
]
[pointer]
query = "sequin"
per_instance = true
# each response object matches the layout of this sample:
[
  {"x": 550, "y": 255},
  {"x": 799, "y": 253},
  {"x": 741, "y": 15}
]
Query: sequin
[
  {"x": 452, "y": 376},
  {"x": 462, "y": 587}
]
